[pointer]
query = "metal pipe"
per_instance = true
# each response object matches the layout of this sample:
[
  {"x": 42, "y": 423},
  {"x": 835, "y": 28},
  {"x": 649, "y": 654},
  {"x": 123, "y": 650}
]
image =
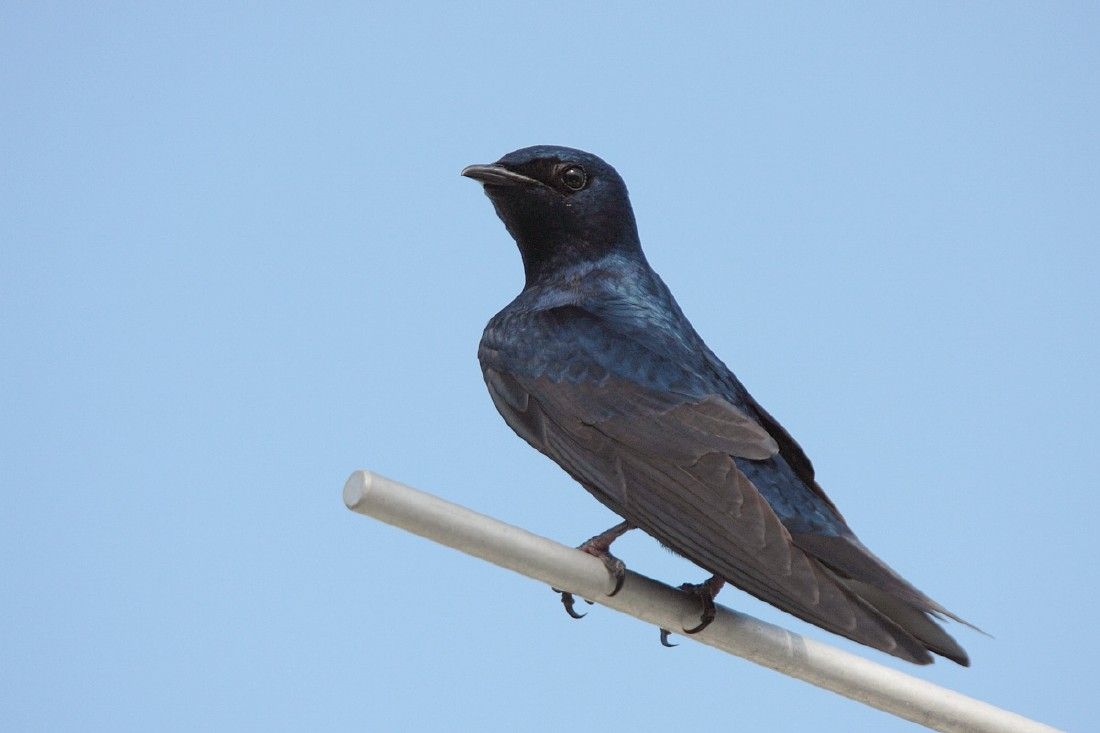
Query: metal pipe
[{"x": 656, "y": 603}]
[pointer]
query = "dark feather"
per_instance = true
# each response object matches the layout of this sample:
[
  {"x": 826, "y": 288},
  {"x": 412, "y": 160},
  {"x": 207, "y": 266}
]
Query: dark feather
[
  {"x": 595, "y": 365},
  {"x": 688, "y": 493}
]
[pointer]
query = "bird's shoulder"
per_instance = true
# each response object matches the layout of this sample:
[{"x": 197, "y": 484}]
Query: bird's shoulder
[{"x": 600, "y": 323}]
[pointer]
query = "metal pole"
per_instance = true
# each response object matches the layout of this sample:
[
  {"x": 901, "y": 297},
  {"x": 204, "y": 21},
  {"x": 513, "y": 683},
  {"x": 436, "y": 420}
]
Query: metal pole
[{"x": 658, "y": 604}]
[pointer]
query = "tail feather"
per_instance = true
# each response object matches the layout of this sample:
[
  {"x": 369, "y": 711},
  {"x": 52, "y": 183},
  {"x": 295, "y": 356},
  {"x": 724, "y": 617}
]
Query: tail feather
[
  {"x": 909, "y": 612},
  {"x": 850, "y": 558},
  {"x": 913, "y": 621}
]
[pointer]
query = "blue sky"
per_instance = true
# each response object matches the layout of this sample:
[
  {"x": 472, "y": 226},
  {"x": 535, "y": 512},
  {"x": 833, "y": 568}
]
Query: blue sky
[{"x": 237, "y": 262}]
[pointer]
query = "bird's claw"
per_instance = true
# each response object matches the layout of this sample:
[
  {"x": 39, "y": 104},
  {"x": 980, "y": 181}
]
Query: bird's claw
[
  {"x": 617, "y": 569},
  {"x": 709, "y": 610},
  {"x": 705, "y": 592},
  {"x": 664, "y": 639},
  {"x": 599, "y": 547},
  {"x": 568, "y": 600}
]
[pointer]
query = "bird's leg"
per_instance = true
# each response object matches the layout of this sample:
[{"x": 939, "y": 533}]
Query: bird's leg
[
  {"x": 705, "y": 592},
  {"x": 600, "y": 547}
]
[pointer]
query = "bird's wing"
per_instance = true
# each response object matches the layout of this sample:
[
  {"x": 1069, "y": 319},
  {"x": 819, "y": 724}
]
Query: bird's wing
[{"x": 664, "y": 460}]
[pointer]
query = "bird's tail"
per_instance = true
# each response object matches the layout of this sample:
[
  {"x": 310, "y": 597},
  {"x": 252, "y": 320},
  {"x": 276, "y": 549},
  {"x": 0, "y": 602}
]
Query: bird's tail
[
  {"x": 912, "y": 621},
  {"x": 875, "y": 584}
]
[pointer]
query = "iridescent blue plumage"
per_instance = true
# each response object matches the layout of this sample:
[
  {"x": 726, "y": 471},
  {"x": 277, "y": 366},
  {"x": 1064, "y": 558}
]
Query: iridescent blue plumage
[{"x": 595, "y": 365}]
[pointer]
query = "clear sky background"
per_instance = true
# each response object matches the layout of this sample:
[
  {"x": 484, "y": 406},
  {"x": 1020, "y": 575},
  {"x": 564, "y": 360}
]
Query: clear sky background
[{"x": 237, "y": 262}]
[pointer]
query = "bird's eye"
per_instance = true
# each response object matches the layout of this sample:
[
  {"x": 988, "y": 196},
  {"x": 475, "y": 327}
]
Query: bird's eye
[{"x": 574, "y": 178}]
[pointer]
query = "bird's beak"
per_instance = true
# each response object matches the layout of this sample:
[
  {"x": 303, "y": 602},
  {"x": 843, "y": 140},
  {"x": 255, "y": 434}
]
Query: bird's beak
[{"x": 497, "y": 175}]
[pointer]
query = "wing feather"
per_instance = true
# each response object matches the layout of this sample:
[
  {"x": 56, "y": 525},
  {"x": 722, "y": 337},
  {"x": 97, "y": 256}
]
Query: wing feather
[{"x": 665, "y": 465}]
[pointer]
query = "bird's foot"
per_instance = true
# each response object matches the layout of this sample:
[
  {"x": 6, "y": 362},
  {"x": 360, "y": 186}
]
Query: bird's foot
[
  {"x": 616, "y": 568},
  {"x": 705, "y": 592},
  {"x": 568, "y": 600},
  {"x": 600, "y": 547}
]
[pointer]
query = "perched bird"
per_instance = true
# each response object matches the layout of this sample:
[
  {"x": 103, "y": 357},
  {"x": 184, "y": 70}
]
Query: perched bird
[{"x": 595, "y": 365}]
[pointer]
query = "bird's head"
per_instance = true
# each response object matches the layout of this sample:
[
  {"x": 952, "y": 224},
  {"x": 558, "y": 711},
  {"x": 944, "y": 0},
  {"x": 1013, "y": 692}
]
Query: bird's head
[{"x": 562, "y": 206}]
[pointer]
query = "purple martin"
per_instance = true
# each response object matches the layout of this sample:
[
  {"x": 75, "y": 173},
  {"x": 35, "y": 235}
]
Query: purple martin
[{"x": 595, "y": 365}]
